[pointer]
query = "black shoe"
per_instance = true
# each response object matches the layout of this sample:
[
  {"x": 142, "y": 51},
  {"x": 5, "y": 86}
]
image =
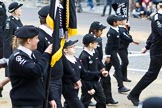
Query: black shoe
[
  {"x": 135, "y": 101},
  {"x": 123, "y": 89},
  {"x": 127, "y": 80},
  {"x": 113, "y": 102},
  {"x": 92, "y": 104},
  {"x": 1, "y": 92}
]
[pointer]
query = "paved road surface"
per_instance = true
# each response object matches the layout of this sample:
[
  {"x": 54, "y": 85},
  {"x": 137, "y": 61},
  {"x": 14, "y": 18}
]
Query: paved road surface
[{"x": 139, "y": 63}]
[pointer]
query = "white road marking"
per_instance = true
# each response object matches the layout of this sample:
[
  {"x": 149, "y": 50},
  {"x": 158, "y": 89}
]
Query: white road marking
[{"x": 131, "y": 54}]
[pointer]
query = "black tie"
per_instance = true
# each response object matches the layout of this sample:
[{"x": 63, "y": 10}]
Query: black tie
[{"x": 33, "y": 57}]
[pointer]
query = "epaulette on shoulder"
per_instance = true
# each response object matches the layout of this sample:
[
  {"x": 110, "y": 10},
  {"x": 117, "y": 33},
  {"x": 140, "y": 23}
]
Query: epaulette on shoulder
[
  {"x": 8, "y": 23},
  {"x": 156, "y": 17},
  {"x": 17, "y": 53}
]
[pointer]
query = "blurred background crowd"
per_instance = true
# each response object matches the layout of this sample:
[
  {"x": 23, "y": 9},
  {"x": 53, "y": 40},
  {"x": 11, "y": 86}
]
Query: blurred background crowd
[{"x": 138, "y": 8}]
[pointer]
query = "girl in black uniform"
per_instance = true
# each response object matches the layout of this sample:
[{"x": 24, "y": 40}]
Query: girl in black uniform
[
  {"x": 96, "y": 29},
  {"x": 91, "y": 62},
  {"x": 12, "y": 24},
  {"x": 27, "y": 68},
  {"x": 73, "y": 72}
]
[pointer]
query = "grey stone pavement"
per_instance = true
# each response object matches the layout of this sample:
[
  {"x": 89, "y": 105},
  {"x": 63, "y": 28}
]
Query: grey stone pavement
[{"x": 138, "y": 65}]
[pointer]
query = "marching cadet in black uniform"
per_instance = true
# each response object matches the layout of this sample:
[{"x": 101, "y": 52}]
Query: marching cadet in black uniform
[
  {"x": 3, "y": 17},
  {"x": 96, "y": 29},
  {"x": 27, "y": 67},
  {"x": 45, "y": 37},
  {"x": 154, "y": 43},
  {"x": 111, "y": 49},
  {"x": 91, "y": 62},
  {"x": 123, "y": 49},
  {"x": 45, "y": 32},
  {"x": 73, "y": 72},
  {"x": 12, "y": 24}
]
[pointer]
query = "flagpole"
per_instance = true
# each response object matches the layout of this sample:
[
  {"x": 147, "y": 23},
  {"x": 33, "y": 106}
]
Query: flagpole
[
  {"x": 127, "y": 10},
  {"x": 47, "y": 89}
]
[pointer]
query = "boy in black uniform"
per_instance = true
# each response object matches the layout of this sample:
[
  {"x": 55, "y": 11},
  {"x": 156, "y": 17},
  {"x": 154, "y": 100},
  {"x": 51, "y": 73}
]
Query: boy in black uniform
[
  {"x": 27, "y": 67},
  {"x": 45, "y": 37},
  {"x": 96, "y": 29},
  {"x": 111, "y": 49},
  {"x": 73, "y": 72},
  {"x": 91, "y": 62},
  {"x": 12, "y": 24},
  {"x": 154, "y": 43},
  {"x": 124, "y": 44}
]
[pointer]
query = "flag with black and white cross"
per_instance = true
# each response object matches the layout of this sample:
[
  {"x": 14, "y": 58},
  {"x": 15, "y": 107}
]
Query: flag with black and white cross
[{"x": 121, "y": 7}]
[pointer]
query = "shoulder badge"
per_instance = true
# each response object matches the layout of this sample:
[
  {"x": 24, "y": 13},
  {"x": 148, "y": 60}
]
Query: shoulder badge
[
  {"x": 8, "y": 23},
  {"x": 20, "y": 60}
]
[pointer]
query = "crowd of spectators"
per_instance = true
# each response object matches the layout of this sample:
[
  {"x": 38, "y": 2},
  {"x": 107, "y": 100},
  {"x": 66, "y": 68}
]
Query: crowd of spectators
[{"x": 144, "y": 9}]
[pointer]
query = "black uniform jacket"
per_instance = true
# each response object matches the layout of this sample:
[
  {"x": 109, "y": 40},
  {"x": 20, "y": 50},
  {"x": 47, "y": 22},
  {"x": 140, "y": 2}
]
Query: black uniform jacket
[
  {"x": 155, "y": 39},
  {"x": 148, "y": 42},
  {"x": 113, "y": 40},
  {"x": 92, "y": 64},
  {"x": 12, "y": 24},
  {"x": 44, "y": 41},
  {"x": 125, "y": 38},
  {"x": 75, "y": 71},
  {"x": 26, "y": 78},
  {"x": 57, "y": 71},
  {"x": 99, "y": 48}
]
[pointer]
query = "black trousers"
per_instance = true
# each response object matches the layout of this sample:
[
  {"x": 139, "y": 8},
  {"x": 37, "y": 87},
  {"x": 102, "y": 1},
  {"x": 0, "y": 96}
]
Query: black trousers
[
  {"x": 107, "y": 2},
  {"x": 123, "y": 53},
  {"x": 71, "y": 97},
  {"x": 114, "y": 61},
  {"x": 149, "y": 77},
  {"x": 40, "y": 106},
  {"x": 106, "y": 84},
  {"x": 56, "y": 87},
  {"x": 99, "y": 96}
]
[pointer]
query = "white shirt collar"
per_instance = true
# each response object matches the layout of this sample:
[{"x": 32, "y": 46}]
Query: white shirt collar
[
  {"x": 16, "y": 18},
  {"x": 89, "y": 52},
  {"x": 46, "y": 29},
  {"x": 115, "y": 28},
  {"x": 160, "y": 11},
  {"x": 71, "y": 59},
  {"x": 26, "y": 50},
  {"x": 122, "y": 26}
]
